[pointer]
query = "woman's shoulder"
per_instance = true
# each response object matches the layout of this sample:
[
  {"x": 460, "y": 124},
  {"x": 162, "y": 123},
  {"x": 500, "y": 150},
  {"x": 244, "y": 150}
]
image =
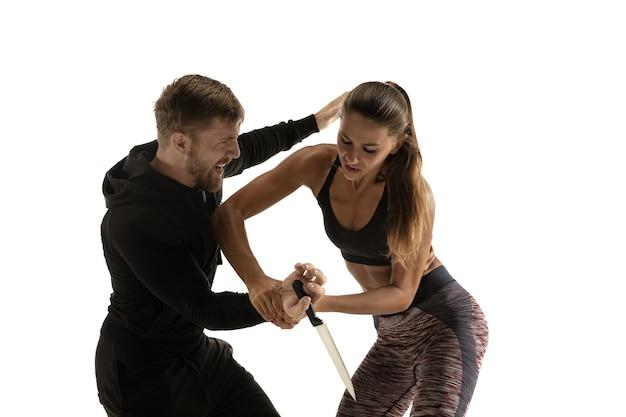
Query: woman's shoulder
[
  {"x": 315, "y": 158},
  {"x": 314, "y": 163},
  {"x": 320, "y": 154}
]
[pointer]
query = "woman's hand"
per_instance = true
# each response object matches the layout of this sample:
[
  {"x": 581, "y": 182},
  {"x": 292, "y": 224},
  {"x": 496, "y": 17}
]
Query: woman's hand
[{"x": 313, "y": 280}]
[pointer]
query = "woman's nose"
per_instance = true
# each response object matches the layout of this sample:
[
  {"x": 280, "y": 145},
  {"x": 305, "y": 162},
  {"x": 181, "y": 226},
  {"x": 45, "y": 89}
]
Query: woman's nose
[{"x": 351, "y": 158}]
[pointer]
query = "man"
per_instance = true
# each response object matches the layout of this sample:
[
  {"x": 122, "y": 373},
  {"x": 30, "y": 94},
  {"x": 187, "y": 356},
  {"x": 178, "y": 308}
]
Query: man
[{"x": 153, "y": 358}]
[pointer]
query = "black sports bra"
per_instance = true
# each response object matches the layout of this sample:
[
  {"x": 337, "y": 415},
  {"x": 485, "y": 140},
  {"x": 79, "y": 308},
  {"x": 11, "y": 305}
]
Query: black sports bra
[{"x": 367, "y": 245}]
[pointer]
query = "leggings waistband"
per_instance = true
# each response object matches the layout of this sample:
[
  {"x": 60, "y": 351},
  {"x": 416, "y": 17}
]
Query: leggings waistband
[{"x": 430, "y": 284}]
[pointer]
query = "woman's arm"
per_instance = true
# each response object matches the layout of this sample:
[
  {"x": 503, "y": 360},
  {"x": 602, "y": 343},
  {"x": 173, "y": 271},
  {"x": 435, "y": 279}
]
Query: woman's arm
[
  {"x": 394, "y": 297},
  {"x": 388, "y": 299},
  {"x": 300, "y": 168}
]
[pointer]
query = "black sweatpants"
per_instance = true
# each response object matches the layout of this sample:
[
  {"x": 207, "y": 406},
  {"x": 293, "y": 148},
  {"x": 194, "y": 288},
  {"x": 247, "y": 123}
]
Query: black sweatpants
[{"x": 205, "y": 382}]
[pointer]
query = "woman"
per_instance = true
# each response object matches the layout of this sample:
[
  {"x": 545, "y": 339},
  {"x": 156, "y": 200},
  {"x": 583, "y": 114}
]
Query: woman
[{"x": 379, "y": 211}]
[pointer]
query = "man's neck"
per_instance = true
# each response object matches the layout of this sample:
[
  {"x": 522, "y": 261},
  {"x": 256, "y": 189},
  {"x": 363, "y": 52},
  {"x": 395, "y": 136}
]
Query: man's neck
[{"x": 167, "y": 165}]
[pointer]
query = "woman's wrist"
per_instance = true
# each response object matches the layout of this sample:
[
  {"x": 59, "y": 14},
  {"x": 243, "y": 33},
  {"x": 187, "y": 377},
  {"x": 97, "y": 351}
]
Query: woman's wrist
[{"x": 324, "y": 305}]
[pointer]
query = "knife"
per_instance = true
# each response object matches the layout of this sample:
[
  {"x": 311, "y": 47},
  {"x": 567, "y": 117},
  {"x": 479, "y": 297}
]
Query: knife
[{"x": 327, "y": 339}]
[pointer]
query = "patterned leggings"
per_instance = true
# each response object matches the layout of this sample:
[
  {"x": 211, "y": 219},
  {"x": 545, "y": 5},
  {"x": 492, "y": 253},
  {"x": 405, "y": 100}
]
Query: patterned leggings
[{"x": 428, "y": 355}]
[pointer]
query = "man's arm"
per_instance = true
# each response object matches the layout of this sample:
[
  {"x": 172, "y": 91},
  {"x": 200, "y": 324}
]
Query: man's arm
[
  {"x": 172, "y": 274},
  {"x": 259, "y": 145}
]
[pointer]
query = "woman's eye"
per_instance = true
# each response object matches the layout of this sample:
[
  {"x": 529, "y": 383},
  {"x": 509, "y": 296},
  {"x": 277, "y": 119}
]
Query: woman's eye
[
  {"x": 369, "y": 150},
  {"x": 345, "y": 142}
]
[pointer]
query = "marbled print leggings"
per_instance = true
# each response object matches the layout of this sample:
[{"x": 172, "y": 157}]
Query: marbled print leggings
[{"x": 426, "y": 357}]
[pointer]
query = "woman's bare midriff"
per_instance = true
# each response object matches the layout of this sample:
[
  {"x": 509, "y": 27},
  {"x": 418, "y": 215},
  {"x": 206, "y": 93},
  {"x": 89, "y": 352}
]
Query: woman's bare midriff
[{"x": 372, "y": 276}]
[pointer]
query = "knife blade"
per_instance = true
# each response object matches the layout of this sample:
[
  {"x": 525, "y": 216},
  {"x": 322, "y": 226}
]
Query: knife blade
[{"x": 327, "y": 340}]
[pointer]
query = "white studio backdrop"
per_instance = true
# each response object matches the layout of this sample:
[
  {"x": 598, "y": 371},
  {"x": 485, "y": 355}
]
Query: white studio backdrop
[{"x": 519, "y": 108}]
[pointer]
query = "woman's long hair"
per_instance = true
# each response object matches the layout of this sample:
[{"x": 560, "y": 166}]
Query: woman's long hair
[{"x": 407, "y": 192}]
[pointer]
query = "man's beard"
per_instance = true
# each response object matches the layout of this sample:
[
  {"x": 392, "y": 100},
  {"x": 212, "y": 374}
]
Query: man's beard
[{"x": 203, "y": 175}]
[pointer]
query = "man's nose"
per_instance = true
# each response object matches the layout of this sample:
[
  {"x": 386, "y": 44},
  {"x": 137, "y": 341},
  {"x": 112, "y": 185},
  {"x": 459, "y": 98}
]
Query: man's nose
[{"x": 234, "y": 149}]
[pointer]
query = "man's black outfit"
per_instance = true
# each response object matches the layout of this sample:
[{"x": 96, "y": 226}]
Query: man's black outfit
[{"x": 153, "y": 358}]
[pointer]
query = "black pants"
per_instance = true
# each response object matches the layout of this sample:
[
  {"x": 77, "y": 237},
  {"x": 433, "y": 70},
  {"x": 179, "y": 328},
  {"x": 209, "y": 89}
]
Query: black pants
[{"x": 205, "y": 382}]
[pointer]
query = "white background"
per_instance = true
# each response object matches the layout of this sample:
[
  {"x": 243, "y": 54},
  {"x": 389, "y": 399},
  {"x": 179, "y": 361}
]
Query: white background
[{"x": 520, "y": 109}]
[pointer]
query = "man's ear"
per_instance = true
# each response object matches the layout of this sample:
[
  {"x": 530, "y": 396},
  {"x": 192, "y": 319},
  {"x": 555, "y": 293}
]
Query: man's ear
[{"x": 180, "y": 142}]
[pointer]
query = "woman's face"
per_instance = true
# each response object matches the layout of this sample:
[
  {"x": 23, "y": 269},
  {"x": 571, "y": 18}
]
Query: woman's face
[{"x": 363, "y": 145}]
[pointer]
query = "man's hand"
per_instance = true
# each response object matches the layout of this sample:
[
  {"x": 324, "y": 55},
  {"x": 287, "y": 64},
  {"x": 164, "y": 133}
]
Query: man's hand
[
  {"x": 313, "y": 280},
  {"x": 265, "y": 298},
  {"x": 330, "y": 112}
]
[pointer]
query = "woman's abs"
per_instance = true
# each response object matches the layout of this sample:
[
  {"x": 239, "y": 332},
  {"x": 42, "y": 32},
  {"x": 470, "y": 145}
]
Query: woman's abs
[{"x": 371, "y": 277}]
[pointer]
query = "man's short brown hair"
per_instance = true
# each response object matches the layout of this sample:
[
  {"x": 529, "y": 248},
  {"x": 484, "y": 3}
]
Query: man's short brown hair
[{"x": 191, "y": 102}]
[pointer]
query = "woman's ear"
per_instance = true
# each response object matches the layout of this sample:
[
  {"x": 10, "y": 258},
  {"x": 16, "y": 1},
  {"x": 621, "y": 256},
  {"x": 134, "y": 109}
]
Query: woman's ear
[{"x": 396, "y": 146}]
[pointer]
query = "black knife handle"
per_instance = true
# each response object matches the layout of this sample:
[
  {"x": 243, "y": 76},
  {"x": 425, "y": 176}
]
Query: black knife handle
[{"x": 298, "y": 287}]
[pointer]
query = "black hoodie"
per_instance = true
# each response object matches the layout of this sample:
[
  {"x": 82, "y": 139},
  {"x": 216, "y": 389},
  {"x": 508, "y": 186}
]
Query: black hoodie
[{"x": 160, "y": 250}]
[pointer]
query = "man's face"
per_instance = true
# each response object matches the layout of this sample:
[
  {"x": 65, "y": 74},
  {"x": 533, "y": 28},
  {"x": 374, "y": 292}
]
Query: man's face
[{"x": 213, "y": 148}]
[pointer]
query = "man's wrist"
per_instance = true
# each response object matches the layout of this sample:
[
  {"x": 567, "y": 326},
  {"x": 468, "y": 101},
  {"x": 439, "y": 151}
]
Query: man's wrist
[{"x": 321, "y": 120}]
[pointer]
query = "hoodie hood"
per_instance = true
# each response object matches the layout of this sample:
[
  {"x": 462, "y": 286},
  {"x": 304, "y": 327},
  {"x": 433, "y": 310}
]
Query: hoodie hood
[{"x": 134, "y": 181}]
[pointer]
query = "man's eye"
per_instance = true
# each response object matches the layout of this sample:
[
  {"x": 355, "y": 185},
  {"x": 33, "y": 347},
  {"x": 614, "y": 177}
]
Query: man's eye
[{"x": 346, "y": 142}]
